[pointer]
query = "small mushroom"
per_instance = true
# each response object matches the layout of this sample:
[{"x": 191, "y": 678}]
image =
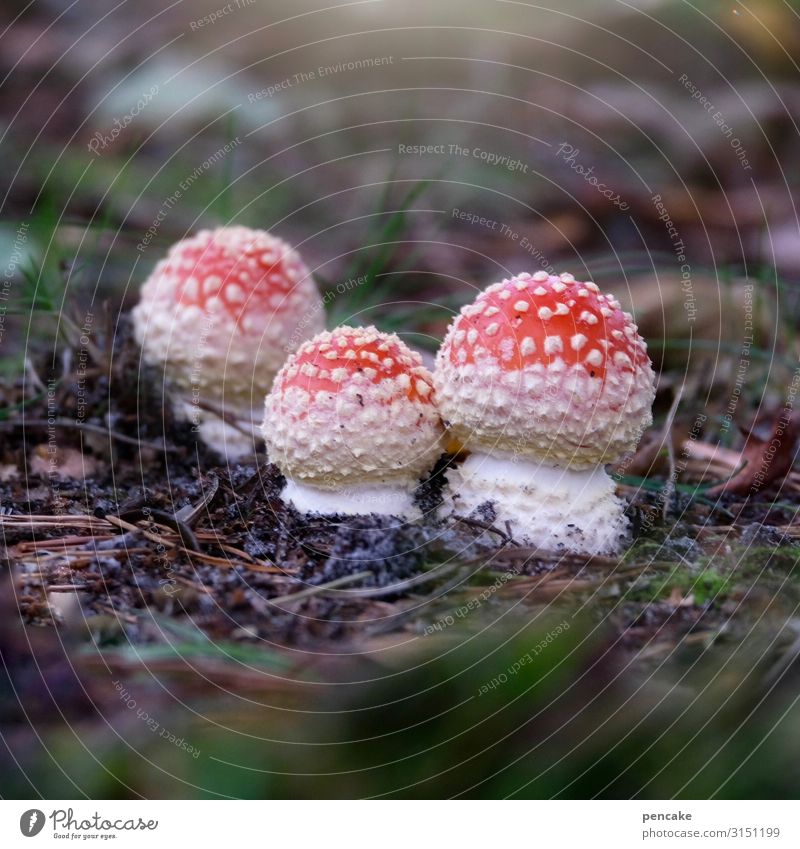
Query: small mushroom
[
  {"x": 220, "y": 314},
  {"x": 543, "y": 380},
  {"x": 352, "y": 423}
]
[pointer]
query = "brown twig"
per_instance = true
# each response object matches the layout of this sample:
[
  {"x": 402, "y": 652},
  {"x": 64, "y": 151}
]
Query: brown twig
[
  {"x": 320, "y": 588},
  {"x": 91, "y": 428},
  {"x": 669, "y": 485}
]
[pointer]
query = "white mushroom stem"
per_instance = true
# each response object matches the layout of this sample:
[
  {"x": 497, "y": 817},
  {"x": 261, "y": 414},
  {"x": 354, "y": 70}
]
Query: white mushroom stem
[
  {"x": 556, "y": 509},
  {"x": 228, "y": 441},
  {"x": 390, "y": 499}
]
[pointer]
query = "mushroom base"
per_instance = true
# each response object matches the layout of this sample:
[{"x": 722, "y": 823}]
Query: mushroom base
[
  {"x": 556, "y": 509},
  {"x": 355, "y": 500}
]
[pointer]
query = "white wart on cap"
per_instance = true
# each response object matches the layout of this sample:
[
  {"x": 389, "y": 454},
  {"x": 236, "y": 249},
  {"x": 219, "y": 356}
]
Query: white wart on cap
[
  {"x": 220, "y": 314},
  {"x": 544, "y": 380},
  {"x": 352, "y": 423}
]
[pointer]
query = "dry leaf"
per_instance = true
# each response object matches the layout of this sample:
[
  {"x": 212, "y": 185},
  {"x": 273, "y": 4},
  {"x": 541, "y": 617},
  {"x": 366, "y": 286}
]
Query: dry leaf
[
  {"x": 765, "y": 460},
  {"x": 63, "y": 463}
]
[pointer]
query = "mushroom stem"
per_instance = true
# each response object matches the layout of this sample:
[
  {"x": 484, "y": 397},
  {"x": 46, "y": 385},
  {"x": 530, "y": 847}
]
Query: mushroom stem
[
  {"x": 551, "y": 507},
  {"x": 389, "y": 499},
  {"x": 232, "y": 441}
]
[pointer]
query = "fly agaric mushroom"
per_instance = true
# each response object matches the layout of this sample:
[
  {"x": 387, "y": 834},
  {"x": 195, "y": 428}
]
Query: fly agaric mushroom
[
  {"x": 352, "y": 423},
  {"x": 220, "y": 314},
  {"x": 544, "y": 380}
]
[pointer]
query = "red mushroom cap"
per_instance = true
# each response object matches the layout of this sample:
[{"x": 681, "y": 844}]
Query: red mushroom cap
[
  {"x": 223, "y": 310},
  {"x": 523, "y": 321},
  {"x": 548, "y": 367},
  {"x": 355, "y": 356},
  {"x": 245, "y": 273},
  {"x": 353, "y": 406}
]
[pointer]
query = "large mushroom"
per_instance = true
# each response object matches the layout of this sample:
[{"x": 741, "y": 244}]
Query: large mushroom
[
  {"x": 544, "y": 380},
  {"x": 220, "y": 314},
  {"x": 352, "y": 423}
]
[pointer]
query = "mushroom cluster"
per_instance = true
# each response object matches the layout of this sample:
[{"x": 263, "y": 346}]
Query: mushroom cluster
[
  {"x": 352, "y": 423},
  {"x": 219, "y": 314},
  {"x": 544, "y": 380}
]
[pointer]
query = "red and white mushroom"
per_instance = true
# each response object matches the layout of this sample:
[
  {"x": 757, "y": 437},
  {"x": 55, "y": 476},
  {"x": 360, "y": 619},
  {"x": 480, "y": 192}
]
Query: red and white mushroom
[
  {"x": 352, "y": 423},
  {"x": 543, "y": 380},
  {"x": 220, "y": 314}
]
